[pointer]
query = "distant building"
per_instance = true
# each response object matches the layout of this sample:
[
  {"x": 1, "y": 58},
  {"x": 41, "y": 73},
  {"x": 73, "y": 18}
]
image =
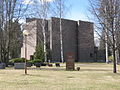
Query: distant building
[{"x": 78, "y": 38}]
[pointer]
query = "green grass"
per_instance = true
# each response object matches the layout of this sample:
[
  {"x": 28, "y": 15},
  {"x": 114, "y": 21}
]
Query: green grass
[{"x": 92, "y": 76}]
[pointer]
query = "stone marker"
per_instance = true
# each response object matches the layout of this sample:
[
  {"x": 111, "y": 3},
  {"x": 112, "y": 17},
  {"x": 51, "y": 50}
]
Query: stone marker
[
  {"x": 19, "y": 65},
  {"x": 70, "y": 65},
  {"x": 2, "y": 65}
]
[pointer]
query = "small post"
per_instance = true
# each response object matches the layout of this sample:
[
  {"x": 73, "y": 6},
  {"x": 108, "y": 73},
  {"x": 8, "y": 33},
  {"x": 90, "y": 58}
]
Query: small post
[
  {"x": 25, "y": 54},
  {"x": 26, "y": 33}
]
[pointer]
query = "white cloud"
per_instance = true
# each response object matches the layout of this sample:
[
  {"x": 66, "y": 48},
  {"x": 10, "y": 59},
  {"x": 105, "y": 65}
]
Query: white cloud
[
  {"x": 27, "y": 2},
  {"x": 47, "y": 0},
  {"x": 44, "y": 1},
  {"x": 31, "y": 2}
]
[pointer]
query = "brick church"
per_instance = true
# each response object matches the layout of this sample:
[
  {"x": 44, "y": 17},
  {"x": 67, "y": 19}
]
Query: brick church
[{"x": 78, "y": 38}]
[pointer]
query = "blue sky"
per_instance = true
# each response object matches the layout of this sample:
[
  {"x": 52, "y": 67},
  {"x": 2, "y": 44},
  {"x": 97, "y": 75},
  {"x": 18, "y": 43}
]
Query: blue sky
[{"x": 79, "y": 10}]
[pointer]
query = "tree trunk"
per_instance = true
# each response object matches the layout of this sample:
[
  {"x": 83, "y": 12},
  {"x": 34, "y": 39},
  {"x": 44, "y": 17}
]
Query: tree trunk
[
  {"x": 61, "y": 38},
  {"x": 44, "y": 36},
  {"x": 114, "y": 56}
]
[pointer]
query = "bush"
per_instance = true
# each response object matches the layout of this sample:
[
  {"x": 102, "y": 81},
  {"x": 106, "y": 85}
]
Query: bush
[
  {"x": 37, "y": 61},
  {"x": 30, "y": 61},
  {"x": 10, "y": 63},
  {"x": 39, "y": 54},
  {"x": 34, "y": 61},
  {"x": 43, "y": 64},
  {"x": 17, "y": 60},
  {"x": 57, "y": 64},
  {"x": 50, "y": 65}
]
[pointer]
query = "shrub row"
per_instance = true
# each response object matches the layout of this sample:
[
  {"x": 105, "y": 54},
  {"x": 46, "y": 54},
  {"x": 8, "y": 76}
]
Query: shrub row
[
  {"x": 34, "y": 61},
  {"x": 22, "y": 60},
  {"x": 17, "y": 60}
]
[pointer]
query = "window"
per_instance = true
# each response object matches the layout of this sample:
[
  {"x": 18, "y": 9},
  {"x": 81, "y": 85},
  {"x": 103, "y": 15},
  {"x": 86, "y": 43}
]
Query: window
[
  {"x": 91, "y": 55},
  {"x": 31, "y": 57}
]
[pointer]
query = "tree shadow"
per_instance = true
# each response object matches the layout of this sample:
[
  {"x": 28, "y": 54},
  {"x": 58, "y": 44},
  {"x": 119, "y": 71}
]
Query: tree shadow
[
  {"x": 48, "y": 69},
  {"x": 96, "y": 70}
]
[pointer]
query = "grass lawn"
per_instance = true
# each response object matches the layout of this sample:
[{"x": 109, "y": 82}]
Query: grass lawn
[{"x": 92, "y": 76}]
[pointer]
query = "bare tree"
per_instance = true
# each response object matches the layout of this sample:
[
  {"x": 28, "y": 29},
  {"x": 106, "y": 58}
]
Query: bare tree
[
  {"x": 42, "y": 10},
  {"x": 107, "y": 13},
  {"x": 7, "y": 12},
  {"x": 11, "y": 12},
  {"x": 59, "y": 11}
]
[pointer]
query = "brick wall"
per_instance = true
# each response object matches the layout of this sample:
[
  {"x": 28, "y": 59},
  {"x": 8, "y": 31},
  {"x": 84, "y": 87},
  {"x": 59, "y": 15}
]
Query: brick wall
[
  {"x": 69, "y": 29},
  {"x": 85, "y": 42}
]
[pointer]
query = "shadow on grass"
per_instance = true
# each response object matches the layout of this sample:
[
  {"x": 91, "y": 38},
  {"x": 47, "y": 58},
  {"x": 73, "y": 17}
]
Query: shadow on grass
[
  {"x": 48, "y": 69},
  {"x": 64, "y": 69},
  {"x": 35, "y": 75},
  {"x": 96, "y": 70}
]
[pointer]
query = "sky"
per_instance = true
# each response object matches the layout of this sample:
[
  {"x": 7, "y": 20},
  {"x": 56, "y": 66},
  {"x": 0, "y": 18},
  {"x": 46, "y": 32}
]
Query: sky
[{"x": 79, "y": 10}]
